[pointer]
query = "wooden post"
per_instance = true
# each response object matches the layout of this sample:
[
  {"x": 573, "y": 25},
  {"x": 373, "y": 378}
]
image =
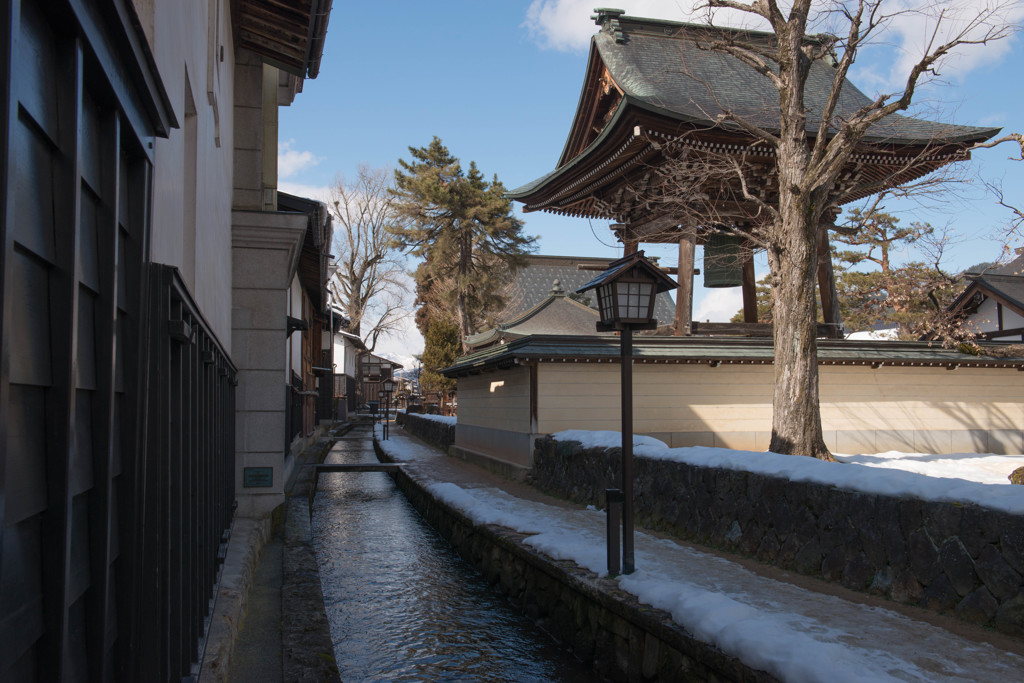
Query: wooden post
[
  {"x": 827, "y": 285},
  {"x": 684, "y": 276},
  {"x": 749, "y": 286}
]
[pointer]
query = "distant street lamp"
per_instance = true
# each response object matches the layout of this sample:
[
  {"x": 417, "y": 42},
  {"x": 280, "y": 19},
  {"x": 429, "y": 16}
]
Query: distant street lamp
[
  {"x": 388, "y": 385},
  {"x": 625, "y": 296}
]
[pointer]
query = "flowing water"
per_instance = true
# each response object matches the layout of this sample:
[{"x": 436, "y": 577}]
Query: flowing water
[{"x": 403, "y": 606}]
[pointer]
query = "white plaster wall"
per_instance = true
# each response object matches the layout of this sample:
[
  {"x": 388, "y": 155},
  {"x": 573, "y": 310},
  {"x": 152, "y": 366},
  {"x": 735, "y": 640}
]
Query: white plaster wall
[
  {"x": 1011, "y": 319},
  {"x": 345, "y": 355},
  {"x": 350, "y": 361},
  {"x": 182, "y": 45},
  {"x": 986, "y": 318}
]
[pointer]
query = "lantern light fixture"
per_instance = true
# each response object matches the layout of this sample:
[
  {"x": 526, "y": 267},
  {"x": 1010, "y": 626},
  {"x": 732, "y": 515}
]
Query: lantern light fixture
[{"x": 626, "y": 293}]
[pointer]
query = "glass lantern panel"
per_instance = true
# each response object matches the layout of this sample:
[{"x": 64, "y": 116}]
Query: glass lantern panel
[
  {"x": 606, "y": 301},
  {"x": 634, "y": 300}
]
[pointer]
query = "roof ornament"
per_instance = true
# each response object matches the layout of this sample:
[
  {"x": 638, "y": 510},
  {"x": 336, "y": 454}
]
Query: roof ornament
[
  {"x": 556, "y": 288},
  {"x": 608, "y": 18}
]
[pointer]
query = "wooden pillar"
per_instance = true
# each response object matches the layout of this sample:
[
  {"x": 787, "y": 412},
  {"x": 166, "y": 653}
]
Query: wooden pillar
[
  {"x": 684, "y": 276},
  {"x": 630, "y": 244},
  {"x": 827, "y": 285},
  {"x": 749, "y": 286}
]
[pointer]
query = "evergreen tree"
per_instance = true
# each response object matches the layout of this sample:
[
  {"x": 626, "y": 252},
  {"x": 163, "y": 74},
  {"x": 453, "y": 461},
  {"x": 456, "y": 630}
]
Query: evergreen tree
[
  {"x": 874, "y": 234},
  {"x": 462, "y": 228},
  {"x": 441, "y": 348},
  {"x": 911, "y": 297}
]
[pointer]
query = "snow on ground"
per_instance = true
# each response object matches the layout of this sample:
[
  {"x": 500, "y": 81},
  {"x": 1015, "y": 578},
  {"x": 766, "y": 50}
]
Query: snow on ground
[
  {"x": 887, "y": 334},
  {"x": 963, "y": 477},
  {"x": 795, "y": 634},
  {"x": 404, "y": 449},
  {"x": 447, "y": 419}
]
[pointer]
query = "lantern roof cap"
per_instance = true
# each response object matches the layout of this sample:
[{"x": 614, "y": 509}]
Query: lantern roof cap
[{"x": 625, "y": 265}]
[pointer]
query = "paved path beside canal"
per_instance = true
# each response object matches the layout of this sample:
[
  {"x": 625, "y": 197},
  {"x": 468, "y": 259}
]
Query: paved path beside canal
[{"x": 795, "y": 628}]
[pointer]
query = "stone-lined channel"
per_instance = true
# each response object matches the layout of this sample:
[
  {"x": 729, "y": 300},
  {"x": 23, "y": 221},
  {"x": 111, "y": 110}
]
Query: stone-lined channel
[{"x": 402, "y": 605}]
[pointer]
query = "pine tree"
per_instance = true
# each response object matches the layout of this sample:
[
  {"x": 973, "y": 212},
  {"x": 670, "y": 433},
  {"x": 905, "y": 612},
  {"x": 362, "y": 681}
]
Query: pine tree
[
  {"x": 441, "y": 348},
  {"x": 911, "y": 297},
  {"x": 462, "y": 228}
]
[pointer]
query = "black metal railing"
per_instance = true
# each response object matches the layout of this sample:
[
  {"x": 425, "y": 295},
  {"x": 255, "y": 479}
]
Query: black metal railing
[{"x": 184, "y": 485}]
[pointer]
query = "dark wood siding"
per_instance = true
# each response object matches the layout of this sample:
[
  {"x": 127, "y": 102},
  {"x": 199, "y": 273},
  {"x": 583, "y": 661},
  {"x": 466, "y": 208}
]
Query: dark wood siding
[{"x": 116, "y": 465}]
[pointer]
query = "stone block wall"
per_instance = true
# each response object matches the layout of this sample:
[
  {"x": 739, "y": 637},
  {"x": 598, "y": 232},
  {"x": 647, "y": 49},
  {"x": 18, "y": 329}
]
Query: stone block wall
[
  {"x": 957, "y": 558},
  {"x": 436, "y": 433}
]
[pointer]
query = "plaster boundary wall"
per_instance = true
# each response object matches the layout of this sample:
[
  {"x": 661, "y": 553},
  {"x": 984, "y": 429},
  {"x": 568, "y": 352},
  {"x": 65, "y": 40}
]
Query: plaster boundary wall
[
  {"x": 961, "y": 559},
  {"x": 599, "y": 622}
]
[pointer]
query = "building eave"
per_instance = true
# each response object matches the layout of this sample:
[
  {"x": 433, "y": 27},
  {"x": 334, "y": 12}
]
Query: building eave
[
  {"x": 716, "y": 352},
  {"x": 288, "y": 35}
]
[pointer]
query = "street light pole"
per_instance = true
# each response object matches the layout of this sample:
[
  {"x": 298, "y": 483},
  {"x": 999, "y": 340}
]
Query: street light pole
[
  {"x": 626, "y": 293},
  {"x": 626, "y": 356}
]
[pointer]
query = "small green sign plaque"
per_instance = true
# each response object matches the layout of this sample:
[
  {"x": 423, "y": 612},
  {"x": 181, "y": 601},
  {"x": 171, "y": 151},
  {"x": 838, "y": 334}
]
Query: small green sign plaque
[{"x": 257, "y": 477}]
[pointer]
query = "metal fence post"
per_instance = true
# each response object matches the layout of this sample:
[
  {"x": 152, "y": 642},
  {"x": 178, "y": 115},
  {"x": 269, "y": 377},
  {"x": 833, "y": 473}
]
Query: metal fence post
[{"x": 613, "y": 502}]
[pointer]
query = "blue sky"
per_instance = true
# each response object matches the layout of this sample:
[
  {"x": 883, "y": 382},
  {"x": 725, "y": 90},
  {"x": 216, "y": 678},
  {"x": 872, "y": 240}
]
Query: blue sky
[{"x": 498, "y": 82}]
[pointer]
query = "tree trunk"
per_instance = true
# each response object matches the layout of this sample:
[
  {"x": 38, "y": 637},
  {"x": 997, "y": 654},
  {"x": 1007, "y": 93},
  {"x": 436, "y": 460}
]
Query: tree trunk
[
  {"x": 465, "y": 328},
  {"x": 793, "y": 257}
]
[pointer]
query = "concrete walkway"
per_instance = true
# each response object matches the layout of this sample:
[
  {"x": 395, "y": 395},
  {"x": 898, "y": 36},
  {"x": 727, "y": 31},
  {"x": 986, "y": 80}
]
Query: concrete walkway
[
  {"x": 257, "y": 655},
  {"x": 272, "y": 592}
]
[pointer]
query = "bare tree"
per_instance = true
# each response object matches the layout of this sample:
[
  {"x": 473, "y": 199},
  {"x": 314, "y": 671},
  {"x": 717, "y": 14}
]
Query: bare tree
[
  {"x": 1014, "y": 228},
  {"x": 785, "y": 192},
  {"x": 370, "y": 281}
]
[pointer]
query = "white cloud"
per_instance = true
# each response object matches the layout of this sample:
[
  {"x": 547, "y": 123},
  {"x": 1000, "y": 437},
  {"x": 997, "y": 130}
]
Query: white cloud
[
  {"x": 719, "y": 305},
  {"x": 401, "y": 346},
  {"x": 919, "y": 29},
  {"x": 320, "y": 193},
  {"x": 291, "y": 161},
  {"x": 566, "y": 24}
]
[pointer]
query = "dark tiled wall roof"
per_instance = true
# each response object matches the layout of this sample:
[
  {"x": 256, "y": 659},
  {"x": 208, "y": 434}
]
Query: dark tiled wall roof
[
  {"x": 533, "y": 284},
  {"x": 660, "y": 64}
]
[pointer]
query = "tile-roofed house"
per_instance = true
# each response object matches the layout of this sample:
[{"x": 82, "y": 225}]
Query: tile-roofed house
[
  {"x": 649, "y": 80},
  {"x": 556, "y": 314},
  {"x": 993, "y": 302},
  {"x": 647, "y": 122},
  {"x": 533, "y": 284}
]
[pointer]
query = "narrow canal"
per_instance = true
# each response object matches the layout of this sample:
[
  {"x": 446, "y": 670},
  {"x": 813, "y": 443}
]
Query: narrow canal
[{"x": 402, "y": 605}]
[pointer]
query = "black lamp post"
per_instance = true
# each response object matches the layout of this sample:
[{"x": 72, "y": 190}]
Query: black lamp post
[
  {"x": 625, "y": 295},
  {"x": 388, "y": 385}
]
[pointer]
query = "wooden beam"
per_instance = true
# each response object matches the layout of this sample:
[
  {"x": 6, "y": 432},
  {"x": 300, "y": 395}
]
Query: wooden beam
[
  {"x": 827, "y": 286},
  {"x": 684, "y": 295},
  {"x": 749, "y": 286}
]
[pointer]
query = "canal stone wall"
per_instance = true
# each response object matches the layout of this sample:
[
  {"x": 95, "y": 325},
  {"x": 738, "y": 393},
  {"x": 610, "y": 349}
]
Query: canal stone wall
[
  {"x": 435, "y": 432},
  {"x": 602, "y": 624},
  {"x": 960, "y": 559}
]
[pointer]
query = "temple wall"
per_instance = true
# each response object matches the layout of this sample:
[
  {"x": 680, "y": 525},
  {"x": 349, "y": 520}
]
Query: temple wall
[
  {"x": 494, "y": 415},
  {"x": 864, "y": 410}
]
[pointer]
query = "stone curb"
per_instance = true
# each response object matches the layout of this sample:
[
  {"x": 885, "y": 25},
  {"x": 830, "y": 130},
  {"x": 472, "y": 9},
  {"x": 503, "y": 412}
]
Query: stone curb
[
  {"x": 248, "y": 536},
  {"x": 308, "y": 650},
  {"x": 307, "y": 647}
]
